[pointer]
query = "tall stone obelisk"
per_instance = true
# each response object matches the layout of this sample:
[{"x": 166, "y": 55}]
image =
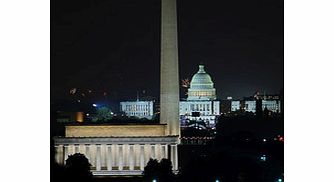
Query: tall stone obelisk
[{"x": 169, "y": 68}]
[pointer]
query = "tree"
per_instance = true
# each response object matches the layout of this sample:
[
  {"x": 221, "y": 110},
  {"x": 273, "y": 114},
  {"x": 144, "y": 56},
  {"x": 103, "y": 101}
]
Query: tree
[
  {"x": 77, "y": 168},
  {"x": 161, "y": 171},
  {"x": 103, "y": 114}
]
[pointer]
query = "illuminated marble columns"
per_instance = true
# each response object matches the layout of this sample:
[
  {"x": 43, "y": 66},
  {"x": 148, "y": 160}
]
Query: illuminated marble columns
[
  {"x": 142, "y": 157},
  {"x": 120, "y": 157},
  {"x": 131, "y": 157},
  {"x": 66, "y": 153},
  {"x": 174, "y": 157},
  {"x": 109, "y": 157},
  {"x": 98, "y": 157},
  {"x": 59, "y": 157}
]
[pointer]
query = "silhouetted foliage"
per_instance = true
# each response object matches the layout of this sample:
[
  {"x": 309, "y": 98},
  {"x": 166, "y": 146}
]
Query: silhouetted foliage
[
  {"x": 77, "y": 168},
  {"x": 161, "y": 171}
]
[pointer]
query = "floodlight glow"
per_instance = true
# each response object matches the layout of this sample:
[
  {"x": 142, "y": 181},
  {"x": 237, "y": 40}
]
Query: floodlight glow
[
  {"x": 217, "y": 180},
  {"x": 154, "y": 180}
]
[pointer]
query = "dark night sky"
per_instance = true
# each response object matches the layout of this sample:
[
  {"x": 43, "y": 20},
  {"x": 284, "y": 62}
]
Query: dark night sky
[{"x": 114, "y": 45}]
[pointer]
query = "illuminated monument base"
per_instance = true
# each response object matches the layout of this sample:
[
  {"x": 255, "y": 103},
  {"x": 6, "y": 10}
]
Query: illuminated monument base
[{"x": 117, "y": 155}]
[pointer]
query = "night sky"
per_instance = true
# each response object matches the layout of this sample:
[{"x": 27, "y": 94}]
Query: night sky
[{"x": 113, "y": 46}]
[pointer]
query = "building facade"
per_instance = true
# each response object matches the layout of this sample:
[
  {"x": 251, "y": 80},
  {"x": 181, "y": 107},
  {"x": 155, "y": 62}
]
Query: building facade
[
  {"x": 271, "y": 102},
  {"x": 201, "y": 103},
  {"x": 140, "y": 109}
]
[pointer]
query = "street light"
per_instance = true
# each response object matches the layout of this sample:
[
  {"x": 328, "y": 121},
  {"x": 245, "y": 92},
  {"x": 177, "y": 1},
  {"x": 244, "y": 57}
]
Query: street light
[{"x": 154, "y": 180}]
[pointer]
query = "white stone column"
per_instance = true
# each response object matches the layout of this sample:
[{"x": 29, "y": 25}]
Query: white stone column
[
  {"x": 114, "y": 156},
  {"x": 158, "y": 152},
  {"x": 59, "y": 153},
  {"x": 76, "y": 148},
  {"x": 120, "y": 157},
  {"x": 131, "y": 157},
  {"x": 71, "y": 149},
  {"x": 142, "y": 158},
  {"x": 92, "y": 153},
  {"x": 153, "y": 151},
  {"x": 109, "y": 156},
  {"x": 82, "y": 149},
  {"x": 174, "y": 157},
  {"x": 98, "y": 157},
  {"x": 87, "y": 152},
  {"x": 66, "y": 153},
  {"x": 164, "y": 149},
  {"x": 103, "y": 156}
]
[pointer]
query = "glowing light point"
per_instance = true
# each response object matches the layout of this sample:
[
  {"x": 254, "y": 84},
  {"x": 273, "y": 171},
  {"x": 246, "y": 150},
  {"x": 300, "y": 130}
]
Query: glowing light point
[
  {"x": 264, "y": 140},
  {"x": 217, "y": 180},
  {"x": 154, "y": 180},
  {"x": 94, "y": 105},
  {"x": 279, "y": 180}
]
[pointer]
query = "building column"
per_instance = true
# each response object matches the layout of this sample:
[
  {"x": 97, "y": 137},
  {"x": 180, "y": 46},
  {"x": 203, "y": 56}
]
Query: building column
[
  {"x": 131, "y": 157},
  {"x": 120, "y": 157},
  {"x": 87, "y": 152},
  {"x": 164, "y": 149},
  {"x": 153, "y": 151},
  {"x": 76, "y": 148},
  {"x": 70, "y": 149},
  {"x": 103, "y": 155},
  {"x": 142, "y": 158},
  {"x": 82, "y": 150},
  {"x": 109, "y": 156},
  {"x": 174, "y": 157},
  {"x": 98, "y": 157},
  {"x": 66, "y": 153},
  {"x": 59, "y": 154},
  {"x": 158, "y": 152}
]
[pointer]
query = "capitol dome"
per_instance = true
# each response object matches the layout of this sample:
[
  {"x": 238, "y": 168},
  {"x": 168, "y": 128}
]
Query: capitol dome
[{"x": 201, "y": 86}]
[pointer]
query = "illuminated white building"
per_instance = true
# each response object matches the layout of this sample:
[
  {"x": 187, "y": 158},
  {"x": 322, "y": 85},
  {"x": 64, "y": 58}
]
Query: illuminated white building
[
  {"x": 272, "y": 105},
  {"x": 235, "y": 105},
  {"x": 250, "y": 105},
  {"x": 140, "y": 109},
  {"x": 201, "y": 99}
]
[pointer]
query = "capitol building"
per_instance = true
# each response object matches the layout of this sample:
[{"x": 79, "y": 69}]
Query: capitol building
[{"x": 201, "y": 103}]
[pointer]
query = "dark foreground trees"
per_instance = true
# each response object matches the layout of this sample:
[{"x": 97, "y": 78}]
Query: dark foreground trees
[
  {"x": 160, "y": 171},
  {"x": 77, "y": 168}
]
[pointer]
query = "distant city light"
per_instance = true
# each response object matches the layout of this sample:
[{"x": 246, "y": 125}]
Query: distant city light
[
  {"x": 94, "y": 105},
  {"x": 79, "y": 101},
  {"x": 264, "y": 140},
  {"x": 87, "y": 114},
  {"x": 263, "y": 158}
]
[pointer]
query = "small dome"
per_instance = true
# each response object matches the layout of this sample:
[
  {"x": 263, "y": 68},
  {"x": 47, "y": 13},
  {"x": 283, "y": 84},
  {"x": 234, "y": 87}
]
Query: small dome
[{"x": 201, "y": 86}]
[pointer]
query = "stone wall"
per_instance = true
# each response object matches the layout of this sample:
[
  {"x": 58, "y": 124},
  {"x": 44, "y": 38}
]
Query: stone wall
[{"x": 115, "y": 130}]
